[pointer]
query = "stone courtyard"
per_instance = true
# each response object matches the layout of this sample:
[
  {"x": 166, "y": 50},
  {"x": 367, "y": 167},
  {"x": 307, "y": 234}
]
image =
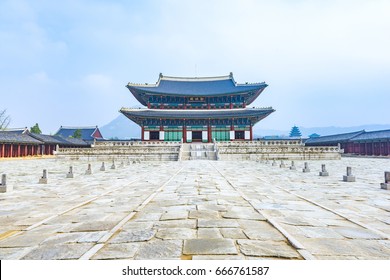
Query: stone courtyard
[{"x": 194, "y": 210}]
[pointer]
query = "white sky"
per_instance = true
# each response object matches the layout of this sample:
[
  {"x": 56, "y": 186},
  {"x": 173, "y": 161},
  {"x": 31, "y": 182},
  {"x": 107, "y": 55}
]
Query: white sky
[{"x": 67, "y": 62}]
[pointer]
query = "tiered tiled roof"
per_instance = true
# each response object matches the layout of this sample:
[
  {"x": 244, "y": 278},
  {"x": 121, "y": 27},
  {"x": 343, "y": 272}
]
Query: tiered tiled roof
[
  {"x": 373, "y": 135},
  {"x": 256, "y": 114},
  {"x": 210, "y": 86}
]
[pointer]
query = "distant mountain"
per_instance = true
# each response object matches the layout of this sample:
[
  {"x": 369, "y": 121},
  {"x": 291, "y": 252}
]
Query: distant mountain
[{"x": 122, "y": 128}]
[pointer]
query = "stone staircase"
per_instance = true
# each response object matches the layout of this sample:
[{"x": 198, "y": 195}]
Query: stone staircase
[{"x": 198, "y": 151}]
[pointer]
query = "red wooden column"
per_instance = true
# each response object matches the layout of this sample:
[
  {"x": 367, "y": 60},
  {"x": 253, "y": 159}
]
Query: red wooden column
[
  {"x": 11, "y": 150},
  {"x": 142, "y": 133},
  {"x": 231, "y": 104},
  {"x": 232, "y": 129},
  {"x": 251, "y": 133},
  {"x": 25, "y": 150},
  {"x": 184, "y": 131},
  {"x": 2, "y": 150},
  {"x": 18, "y": 150},
  {"x": 210, "y": 139}
]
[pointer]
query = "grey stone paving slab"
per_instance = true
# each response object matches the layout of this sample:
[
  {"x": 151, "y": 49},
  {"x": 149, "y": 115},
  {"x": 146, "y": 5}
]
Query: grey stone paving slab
[
  {"x": 117, "y": 251},
  {"x": 356, "y": 233},
  {"x": 209, "y": 247},
  {"x": 93, "y": 236},
  {"x": 24, "y": 240},
  {"x": 58, "y": 252},
  {"x": 176, "y": 224},
  {"x": 267, "y": 249},
  {"x": 233, "y": 233},
  {"x": 133, "y": 236},
  {"x": 176, "y": 215},
  {"x": 319, "y": 232},
  {"x": 243, "y": 213},
  {"x": 211, "y": 207},
  {"x": 147, "y": 216},
  {"x": 204, "y": 214},
  {"x": 217, "y": 223},
  {"x": 93, "y": 226},
  {"x": 14, "y": 253},
  {"x": 62, "y": 238},
  {"x": 218, "y": 257},
  {"x": 160, "y": 250},
  {"x": 209, "y": 233},
  {"x": 176, "y": 233}
]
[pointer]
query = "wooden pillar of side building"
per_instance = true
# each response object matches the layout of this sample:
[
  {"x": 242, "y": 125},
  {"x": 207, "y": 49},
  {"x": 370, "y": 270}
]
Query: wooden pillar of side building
[
  {"x": 251, "y": 132},
  {"x": 11, "y": 150},
  {"x": 18, "y": 155},
  {"x": 142, "y": 132},
  {"x": 2, "y": 150},
  {"x": 210, "y": 139}
]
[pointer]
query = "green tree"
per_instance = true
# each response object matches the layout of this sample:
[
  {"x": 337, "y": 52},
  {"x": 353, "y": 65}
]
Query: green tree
[
  {"x": 77, "y": 134},
  {"x": 4, "y": 119},
  {"x": 35, "y": 129}
]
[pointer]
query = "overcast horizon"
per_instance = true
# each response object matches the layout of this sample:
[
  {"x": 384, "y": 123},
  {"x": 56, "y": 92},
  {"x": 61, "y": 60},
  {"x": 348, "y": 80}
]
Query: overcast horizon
[{"x": 327, "y": 63}]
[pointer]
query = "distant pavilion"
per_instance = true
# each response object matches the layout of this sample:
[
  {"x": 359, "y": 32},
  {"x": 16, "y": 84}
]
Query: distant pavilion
[{"x": 196, "y": 109}]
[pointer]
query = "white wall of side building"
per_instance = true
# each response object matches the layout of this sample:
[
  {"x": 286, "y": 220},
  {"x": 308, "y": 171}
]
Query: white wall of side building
[
  {"x": 189, "y": 136},
  {"x": 232, "y": 137},
  {"x": 146, "y": 135},
  {"x": 161, "y": 136},
  {"x": 204, "y": 136},
  {"x": 247, "y": 135}
]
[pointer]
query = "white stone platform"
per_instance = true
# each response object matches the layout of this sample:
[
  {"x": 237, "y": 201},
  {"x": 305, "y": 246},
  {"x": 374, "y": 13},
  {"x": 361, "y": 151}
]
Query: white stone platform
[{"x": 194, "y": 210}]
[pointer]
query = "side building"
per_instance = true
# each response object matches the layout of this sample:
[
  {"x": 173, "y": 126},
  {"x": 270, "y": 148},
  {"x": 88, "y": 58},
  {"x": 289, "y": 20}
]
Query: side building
[{"x": 196, "y": 109}]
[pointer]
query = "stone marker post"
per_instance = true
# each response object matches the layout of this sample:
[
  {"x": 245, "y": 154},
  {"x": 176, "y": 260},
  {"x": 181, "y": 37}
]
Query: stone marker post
[
  {"x": 103, "y": 168},
  {"x": 293, "y": 167},
  {"x": 43, "y": 179},
  {"x": 349, "y": 177},
  {"x": 386, "y": 184},
  {"x": 89, "y": 170},
  {"x": 323, "y": 171},
  {"x": 113, "y": 165},
  {"x": 70, "y": 173},
  {"x": 3, "y": 186},
  {"x": 274, "y": 163},
  {"x": 306, "y": 168},
  {"x": 282, "y": 165}
]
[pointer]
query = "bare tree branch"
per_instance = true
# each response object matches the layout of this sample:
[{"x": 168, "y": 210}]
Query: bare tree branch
[{"x": 4, "y": 119}]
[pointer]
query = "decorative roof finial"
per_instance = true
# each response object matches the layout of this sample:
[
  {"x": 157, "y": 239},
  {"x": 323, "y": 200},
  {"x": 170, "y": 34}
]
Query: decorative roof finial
[{"x": 161, "y": 75}]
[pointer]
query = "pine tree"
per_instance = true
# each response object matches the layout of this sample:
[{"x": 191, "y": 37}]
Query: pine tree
[
  {"x": 77, "y": 134},
  {"x": 295, "y": 132},
  {"x": 35, "y": 129}
]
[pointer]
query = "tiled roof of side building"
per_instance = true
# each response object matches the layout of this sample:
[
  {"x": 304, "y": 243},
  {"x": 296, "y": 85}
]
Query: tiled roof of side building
[
  {"x": 86, "y": 132},
  {"x": 333, "y": 138},
  {"x": 69, "y": 141},
  {"x": 179, "y": 86},
  {"x": 17, "y": 137},
  {"x": 48, "y": 139},
  {"x": 373, "y": 135}
]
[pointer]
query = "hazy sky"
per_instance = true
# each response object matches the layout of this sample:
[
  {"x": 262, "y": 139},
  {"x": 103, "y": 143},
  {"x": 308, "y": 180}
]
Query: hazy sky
[{"x": 67, "y": 62}]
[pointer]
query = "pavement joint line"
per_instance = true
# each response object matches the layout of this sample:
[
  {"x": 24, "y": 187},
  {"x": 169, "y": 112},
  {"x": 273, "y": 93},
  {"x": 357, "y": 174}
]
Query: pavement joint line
[
  {"x": 87, "y": 255},
  {"x": 380, "y": 233},
  {"x": 91, "y": 252},
  {"x": 294, "y": 242}
]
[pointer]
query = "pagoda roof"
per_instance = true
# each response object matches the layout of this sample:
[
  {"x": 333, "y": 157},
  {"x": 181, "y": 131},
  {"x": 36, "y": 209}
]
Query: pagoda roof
[
  {"x": 195, "y": 86},
  {"x": 137, "y": 115}
]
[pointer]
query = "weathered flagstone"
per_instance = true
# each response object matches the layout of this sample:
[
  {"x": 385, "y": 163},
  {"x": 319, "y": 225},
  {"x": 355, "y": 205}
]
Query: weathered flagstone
[
  {"x": 177, "y": 215},
  {"x": 209, "y": 233},
  {"x": 204, "y": 214},
  {"x": 209, "y": 247},
  {"x": 133, "y": 236},
  {"x": 58, "y": 252},
  {"x": 356, "y": 233},
  {"x": 243, "y": 213},
  {"x": 117, "y": 251},
  {"x": 267, "y": 249},
  {"x": 176, "y": 233},
  {"x": 233, "y": 233},
  {"x": 217, "y": 223},
  {"x": 160, "y": 250}
]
